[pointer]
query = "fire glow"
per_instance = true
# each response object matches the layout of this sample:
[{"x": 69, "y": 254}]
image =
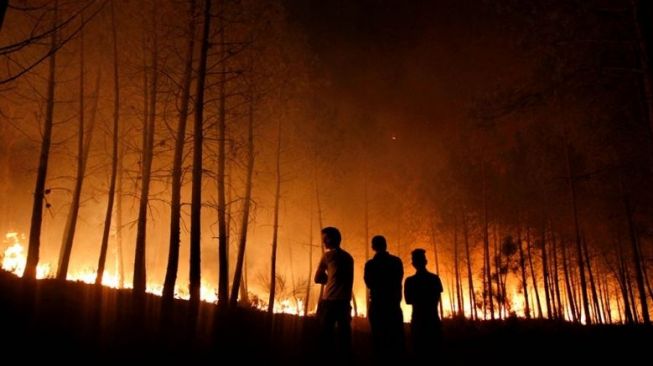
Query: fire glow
[{"x": 14, "y": 259}]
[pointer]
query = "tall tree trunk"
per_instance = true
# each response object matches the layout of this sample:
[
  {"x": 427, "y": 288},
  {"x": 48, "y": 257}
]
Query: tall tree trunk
[
  {"x": 42, "y": 172},
  {"x": 366, "y": 242},
  {"x": 235, "y": 287},
  {"x": 530, "y": 264},
  {"x": 470, "y": 278},
  {"x": 71, "y": 221},
  {"x": 486, "y": 248},
  {"x": 556, "y": 280},
  {"x": 275, "y": 227},
  {"x": 437, "y": 262},
  {"x": 595, "y": 300},
  {"x": 195, "y": 271},
  {"x": 140, "y": 280},
  {"x": 524, "y": 280},
  {"x": 307, "y": 299},
  {"x": 319, "y": 219},
  {"x": 636, "y": 257},
  {"x": 545, "y": 273},
  {"x": 459, "y": 299},
  {"x": 114, "y": 153},
  {"x": 570, "y": 295},
  {"x": 579, "y": 250},
  {"x": 223, "y": 235},
  {"x": 177, "y": 164},
  {"x": 119, "y": 251}
]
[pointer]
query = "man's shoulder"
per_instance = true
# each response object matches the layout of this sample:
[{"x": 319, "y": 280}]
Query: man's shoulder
[
  {"x": 344, "y": 254},
  {"x": 396, "y": 259},
  {"x": 411, "y": 278}
]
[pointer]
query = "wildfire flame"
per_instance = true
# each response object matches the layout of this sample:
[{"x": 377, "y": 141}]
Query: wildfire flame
[{"x": 14, "y": 259}]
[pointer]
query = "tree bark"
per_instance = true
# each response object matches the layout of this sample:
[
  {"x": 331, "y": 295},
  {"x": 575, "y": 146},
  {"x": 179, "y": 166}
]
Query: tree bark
[
  {"x": 530, "y": 264},
  {"x": 223, "y": 235},
  {"x": 140, "y": 280},
  {"x": 545, "y": 274},
  {"x": 579, "y": 250},
  {"x": 636, "y": 257},
  {"x": 235, "y": 287},
  {"x": 524, "y": 280},
  {"x": 437, "y": 262},
  {"x": 177, "y": 164},
  {"x": 275, "y": 228},
  {"x": 196, "y": 195},
  {"x": 114, "y": 153},
  {"x": 34, "y": 245},
  {"x": 486, "y": 249},
  {"x": 470, "y": 278}
]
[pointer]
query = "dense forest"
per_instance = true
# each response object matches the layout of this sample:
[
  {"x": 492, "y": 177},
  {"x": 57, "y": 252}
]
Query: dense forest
[{"x": 193, "y": 149}]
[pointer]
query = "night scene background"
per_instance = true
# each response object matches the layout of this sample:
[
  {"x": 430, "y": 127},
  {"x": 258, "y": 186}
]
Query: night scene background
[{"x": 167, "y": 166}]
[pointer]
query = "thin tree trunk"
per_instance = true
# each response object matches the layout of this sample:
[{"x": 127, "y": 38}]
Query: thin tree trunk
[
  {"x": 459, "y": 299},
  {"x": 140, "y": 280},
  {"x": 319, "y": 220},
  {"x": 486, "y": 248},
  {"x": 246, "y": 206},
  {"x": 275, "y": 228},
  {"x": 42, "y": 172},
  {"x": 530, "y": 264},
  {"x": 366, "y": 242},
  {"x": 114, "y": 153},
  {"x": 579, "y": 250},
  {"x": 470, "y": 278},
  {"x": 223, "y": 235},
  {"x": 556, "y": 280},
  {"x": 570, "y": 296},
  {"x": 307, "y": 300},
  {"x": 524, "y": 280},
  {"x": 119, "y": 251},
  {"x": 437, "y": 262},
  {"x": 545, "y": 274},
  {"x": 636, "y": 258},
  {"x": 177, "y": 165},
  {"x": 631, "y": 297},
  {"x": 595, "y": 300},
  {"x": 195, "y": 273},
  {"x": 71, "y": 221}
]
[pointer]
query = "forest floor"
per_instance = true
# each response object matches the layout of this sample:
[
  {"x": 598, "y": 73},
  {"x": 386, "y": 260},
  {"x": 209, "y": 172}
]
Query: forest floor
[{"x": 76, "y": 322}]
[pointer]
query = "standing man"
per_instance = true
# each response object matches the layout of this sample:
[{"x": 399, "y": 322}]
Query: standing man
[
  {"x": 422, "y": 290},
  {"x": 336, "y": 273},
  {"x": 384, "y": 274}
]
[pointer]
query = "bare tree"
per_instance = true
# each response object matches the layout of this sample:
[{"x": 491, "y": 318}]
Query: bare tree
[
  {"x": 175, "y": 200},
  {"x": 139, "y": 281},
  {"x": 198, "y": 130},
  {"x": 73, "y": 213},
  {"x": 114, "y": 152},
  {"x": 42, "y": 172},
  {"x": 223, "y": 234},
  {"x": 235, "y": 287},
  {"x": 275, "y": 228}
]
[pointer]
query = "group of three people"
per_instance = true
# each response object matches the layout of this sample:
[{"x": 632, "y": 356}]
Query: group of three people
[{"x": 383, "y": 277}]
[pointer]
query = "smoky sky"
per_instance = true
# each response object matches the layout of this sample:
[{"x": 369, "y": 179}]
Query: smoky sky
[{"x": 415, "y": 67}]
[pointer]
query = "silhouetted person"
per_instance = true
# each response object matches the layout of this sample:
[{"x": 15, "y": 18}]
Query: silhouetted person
[
  {"x": 336, "y": 272},
  {"x": 422, "y": 290},
  {"x": 384, "y": 274}
]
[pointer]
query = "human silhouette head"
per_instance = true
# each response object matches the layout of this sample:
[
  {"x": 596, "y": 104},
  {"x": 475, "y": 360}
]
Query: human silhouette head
[
  {"x": 379, "y": 244},
  {"x": 331, "y": 237},
  {"x": 418, "y": 257}
]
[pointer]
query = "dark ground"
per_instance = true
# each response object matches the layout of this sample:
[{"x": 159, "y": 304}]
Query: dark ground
[{"x": 77, "y": 322}]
